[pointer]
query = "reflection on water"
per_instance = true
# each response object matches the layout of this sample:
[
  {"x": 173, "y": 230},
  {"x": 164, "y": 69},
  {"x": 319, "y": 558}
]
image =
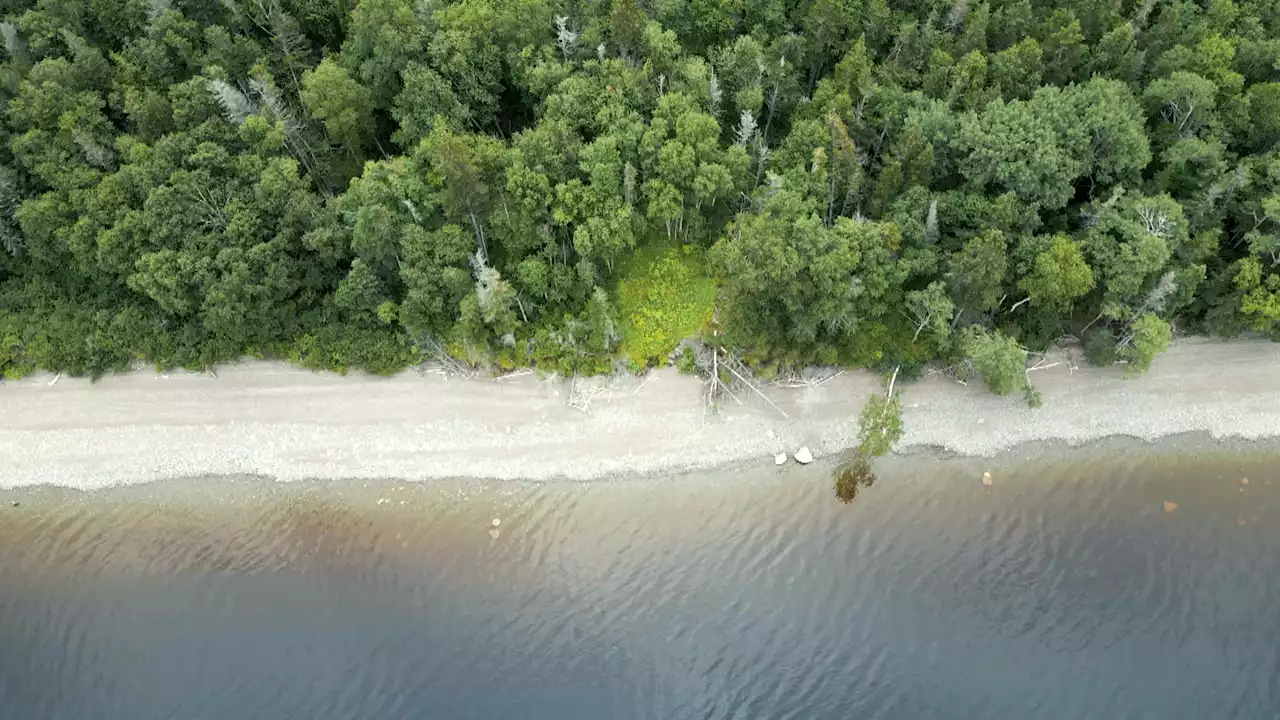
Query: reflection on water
[
  {"x": 852, "y": 475},
  {"x": 1061, "y": 590}
]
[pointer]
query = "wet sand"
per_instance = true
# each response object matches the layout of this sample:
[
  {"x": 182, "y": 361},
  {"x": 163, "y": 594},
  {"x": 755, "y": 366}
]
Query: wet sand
[{"x": 270, "y": 419}]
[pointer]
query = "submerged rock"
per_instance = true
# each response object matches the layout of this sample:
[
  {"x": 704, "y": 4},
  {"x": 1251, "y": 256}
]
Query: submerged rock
[
  {"x": 496, "y": 522},
  {"x": 780, "y": 459},
  {"x": 803, "y": 456},
  {"x": 987, "y": 479},
  {"x": 494, "y": 533},
  {"x": 1170, "y": 506}
]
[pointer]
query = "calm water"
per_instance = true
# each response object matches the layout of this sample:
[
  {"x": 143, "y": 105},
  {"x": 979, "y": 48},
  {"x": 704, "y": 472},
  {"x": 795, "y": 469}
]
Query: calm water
[{"x": 1065, "y": 590}]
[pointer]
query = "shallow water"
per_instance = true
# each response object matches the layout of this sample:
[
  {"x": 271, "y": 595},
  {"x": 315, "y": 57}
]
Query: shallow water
[{"x": 1067, "y": 589}]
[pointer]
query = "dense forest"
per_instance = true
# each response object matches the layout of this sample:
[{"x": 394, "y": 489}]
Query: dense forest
[{"x": 577, "y": 185}]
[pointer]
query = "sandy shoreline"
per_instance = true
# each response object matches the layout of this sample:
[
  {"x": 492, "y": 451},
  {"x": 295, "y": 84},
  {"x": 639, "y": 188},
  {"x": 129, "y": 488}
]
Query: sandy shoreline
[{"x": 270, "y": 419}]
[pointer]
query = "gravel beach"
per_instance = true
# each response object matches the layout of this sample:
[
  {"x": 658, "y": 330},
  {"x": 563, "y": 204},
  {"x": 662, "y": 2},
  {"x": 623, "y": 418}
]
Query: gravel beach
[{"x": 270, "y": 419}]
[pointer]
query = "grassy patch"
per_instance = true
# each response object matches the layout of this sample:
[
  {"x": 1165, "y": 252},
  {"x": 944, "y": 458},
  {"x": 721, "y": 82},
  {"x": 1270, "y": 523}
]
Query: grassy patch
[{"x": 664, "y": 296}]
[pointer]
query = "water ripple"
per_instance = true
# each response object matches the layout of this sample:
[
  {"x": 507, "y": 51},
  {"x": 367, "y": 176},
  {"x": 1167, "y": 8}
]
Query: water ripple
[{"x": 1066, "y": 589}]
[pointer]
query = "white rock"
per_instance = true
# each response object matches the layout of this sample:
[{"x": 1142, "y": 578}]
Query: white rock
[
  {"x": 496, "y": 522},
  {"x": 803, "y": 456},
  {"x": 780, "y": 459}
]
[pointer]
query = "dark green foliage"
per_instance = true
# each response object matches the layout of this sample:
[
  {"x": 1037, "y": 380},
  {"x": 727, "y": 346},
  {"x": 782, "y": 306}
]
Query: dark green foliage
[
  {"x": 1100, "y": 346},
  {"x": 538, "y": 182},
  {"x": 340, "y": 347}
]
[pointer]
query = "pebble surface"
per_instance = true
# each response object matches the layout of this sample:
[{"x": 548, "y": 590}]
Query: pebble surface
[{"x": 269, "y": 419}]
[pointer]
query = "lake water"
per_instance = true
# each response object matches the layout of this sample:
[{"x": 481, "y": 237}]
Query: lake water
[{"x": 1109, "y": 583}]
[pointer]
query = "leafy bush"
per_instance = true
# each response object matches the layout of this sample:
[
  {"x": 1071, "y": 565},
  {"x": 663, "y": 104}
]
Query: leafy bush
[
  {"x": 381, "y": 351},
  {"x": 1100, "y": 346}
]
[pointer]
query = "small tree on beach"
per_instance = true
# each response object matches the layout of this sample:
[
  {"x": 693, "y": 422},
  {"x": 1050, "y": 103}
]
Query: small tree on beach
[
  {"x": 880, "y": 423},
  {"x": 879, "y": 427}
]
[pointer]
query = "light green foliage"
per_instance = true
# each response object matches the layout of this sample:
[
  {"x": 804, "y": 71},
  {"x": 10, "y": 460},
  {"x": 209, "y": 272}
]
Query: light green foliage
[
  {"x": 332, "y": 96},
  {"x": 879, "y": 425},
  {"x": 1260, "y": 303},
  {"x": 932, "y": 310},
  {"x": 688, "y": 170},
  {"x": 1057, "y": 274},
  {"x": 598, "y": 212},
  {"x": 1148, "y": 336},
  {"x": 997, "y": 358},
  {"x": 664, "y": 297}
]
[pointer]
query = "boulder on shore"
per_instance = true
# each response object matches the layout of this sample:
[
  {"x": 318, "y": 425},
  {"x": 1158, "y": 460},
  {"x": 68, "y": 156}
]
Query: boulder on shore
[
  {"x": 803, "y": 456},
  {"x": 780, "y": 459}
]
